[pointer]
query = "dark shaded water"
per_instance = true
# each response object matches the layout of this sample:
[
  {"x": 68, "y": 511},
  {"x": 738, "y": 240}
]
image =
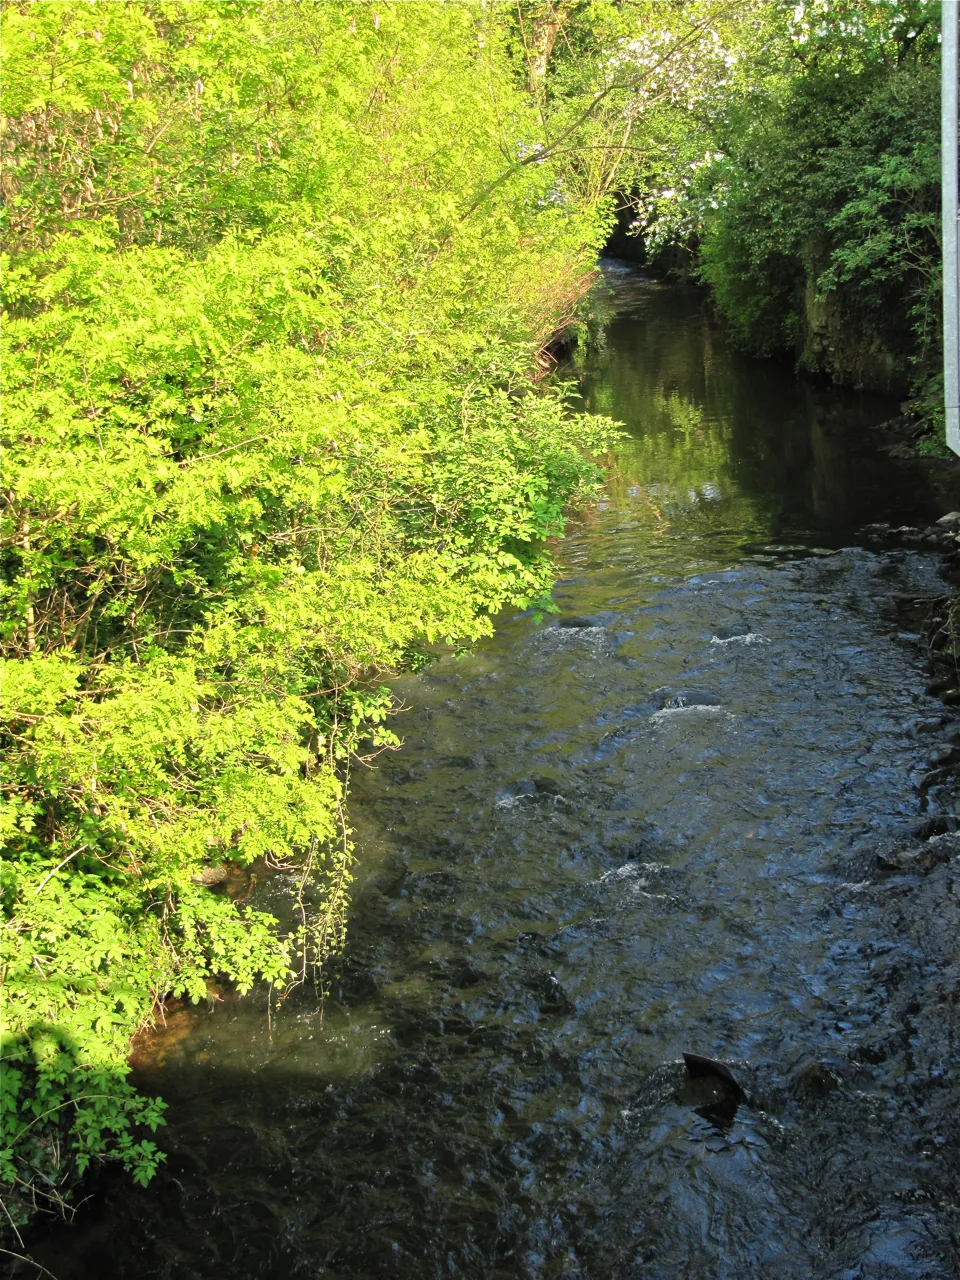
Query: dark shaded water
[{"x": 648, "y": 825}]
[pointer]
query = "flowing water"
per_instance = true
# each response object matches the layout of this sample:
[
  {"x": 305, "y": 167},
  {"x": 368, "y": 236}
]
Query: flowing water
[{"x": 643, "y": 826}]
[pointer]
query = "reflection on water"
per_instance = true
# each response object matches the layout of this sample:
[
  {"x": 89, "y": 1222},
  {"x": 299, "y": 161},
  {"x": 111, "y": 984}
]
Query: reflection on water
[
  {"x": 733, "y": 445},
  {"x": 643, "y": 827}
]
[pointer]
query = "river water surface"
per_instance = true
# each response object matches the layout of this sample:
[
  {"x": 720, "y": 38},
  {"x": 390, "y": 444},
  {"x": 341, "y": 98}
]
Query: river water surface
[{"x": 644, "y": 826}]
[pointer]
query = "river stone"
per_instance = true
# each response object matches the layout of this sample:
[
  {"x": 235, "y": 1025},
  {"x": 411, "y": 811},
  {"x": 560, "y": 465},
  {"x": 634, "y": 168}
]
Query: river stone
[
  {"x": 578, "y": 623},
  {"x": 908, "y": 858},
  {"x": 814, "y": 1080},
  {"x": 210, "y": 876},
  {"x": 676, "y": 698},
  {"x": 698, "y": 1067},
  {"x": 941, "y": 685},
  {"x": 732, "y": 633},
  {"x": 550, "y": 995},
  {"x": 470, "y": 975},
  {"x": 951, "y": 519}
]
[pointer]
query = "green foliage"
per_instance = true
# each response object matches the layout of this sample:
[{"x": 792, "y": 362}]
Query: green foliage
[
  {"x": 885, "y": 237},
  {"x": 273, "y": 428},
  {"x": 809, "y": 184}
]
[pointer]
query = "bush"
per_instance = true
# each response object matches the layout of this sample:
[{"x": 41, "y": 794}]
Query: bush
[{"x": 273, "y": 429}]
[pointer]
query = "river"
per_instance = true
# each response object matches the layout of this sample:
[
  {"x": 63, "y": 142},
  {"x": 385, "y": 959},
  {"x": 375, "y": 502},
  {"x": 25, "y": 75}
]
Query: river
[{"x": 643, "y": 826}]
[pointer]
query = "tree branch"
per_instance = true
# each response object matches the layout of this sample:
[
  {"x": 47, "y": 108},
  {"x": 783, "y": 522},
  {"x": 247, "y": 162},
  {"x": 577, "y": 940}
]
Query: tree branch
[{"x": 552, "y": 147}]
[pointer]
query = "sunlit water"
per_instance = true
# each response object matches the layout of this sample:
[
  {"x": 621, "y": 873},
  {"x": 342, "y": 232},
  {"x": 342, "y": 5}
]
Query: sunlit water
[{"x": 644, "y": 826}]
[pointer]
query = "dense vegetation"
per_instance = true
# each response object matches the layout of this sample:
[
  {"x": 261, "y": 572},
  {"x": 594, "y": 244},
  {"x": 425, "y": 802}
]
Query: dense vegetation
[
  {"x": 271, "y": 430},
  {"x": 278, "y": 285},
  {"x": 806, "y": 189}
]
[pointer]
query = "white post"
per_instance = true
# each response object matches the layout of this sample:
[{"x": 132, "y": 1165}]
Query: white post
[{"x": 950, "y": 12}]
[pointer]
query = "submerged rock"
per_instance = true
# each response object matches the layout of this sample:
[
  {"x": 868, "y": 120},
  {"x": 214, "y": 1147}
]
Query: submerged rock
[
  {"x": 674, "y": 699},
  {"x": 814, "y": 1079},
  {"x": 907, "y": 858},
  {"x": 578, "y": 623}
]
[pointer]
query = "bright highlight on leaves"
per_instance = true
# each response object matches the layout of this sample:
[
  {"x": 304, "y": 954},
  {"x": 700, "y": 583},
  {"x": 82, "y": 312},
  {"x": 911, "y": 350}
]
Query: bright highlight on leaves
[{"x": 271, "y": 431}]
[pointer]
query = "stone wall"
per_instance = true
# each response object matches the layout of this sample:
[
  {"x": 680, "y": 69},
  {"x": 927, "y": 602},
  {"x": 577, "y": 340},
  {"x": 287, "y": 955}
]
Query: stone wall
[{"x": 848, "y": 348}]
